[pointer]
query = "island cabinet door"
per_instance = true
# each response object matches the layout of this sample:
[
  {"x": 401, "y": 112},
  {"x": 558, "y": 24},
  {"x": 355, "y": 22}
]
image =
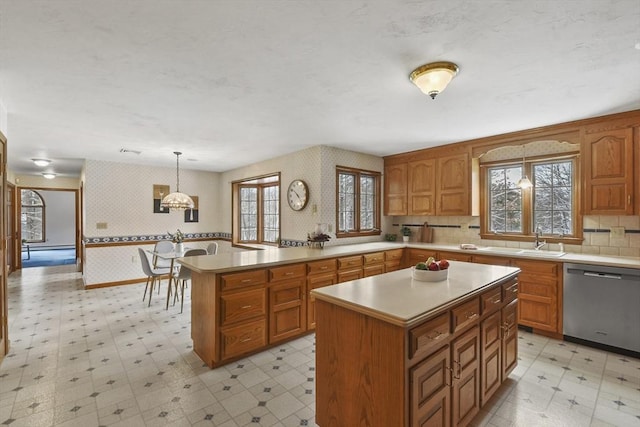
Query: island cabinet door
[
  {"x": 287, "y": 309},
  {"x": 509, "y": 338},
  {"x": 431, "y": 390},
  {"x": 466, "y": 377},
  {"x": 491, "y": 368}
]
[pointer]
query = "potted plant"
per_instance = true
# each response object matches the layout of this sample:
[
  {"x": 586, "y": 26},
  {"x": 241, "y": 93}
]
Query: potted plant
[
  {"x": 178, "y": 239},
  {"x": 406, "y": 232}
]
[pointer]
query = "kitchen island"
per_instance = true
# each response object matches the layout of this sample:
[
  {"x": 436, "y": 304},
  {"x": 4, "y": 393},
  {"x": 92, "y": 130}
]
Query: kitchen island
[{"x": 393, "y": 351}]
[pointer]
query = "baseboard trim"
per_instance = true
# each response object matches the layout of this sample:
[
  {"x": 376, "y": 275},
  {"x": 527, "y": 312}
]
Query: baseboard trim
[{"x": 118, "y": 283}]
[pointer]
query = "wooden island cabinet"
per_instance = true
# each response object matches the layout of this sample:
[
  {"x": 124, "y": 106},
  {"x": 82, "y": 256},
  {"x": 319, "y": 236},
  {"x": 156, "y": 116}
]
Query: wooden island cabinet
[{"x": 391, "y": 351}]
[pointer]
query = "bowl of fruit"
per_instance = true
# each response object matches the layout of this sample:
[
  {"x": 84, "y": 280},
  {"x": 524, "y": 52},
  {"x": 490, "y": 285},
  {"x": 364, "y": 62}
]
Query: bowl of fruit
[{"x": 431, "y": 270}]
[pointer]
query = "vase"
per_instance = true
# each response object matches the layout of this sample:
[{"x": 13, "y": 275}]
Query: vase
[
  {"x": 319, "y": 229},
  {"x": 405, "y": 238},
  {"x": 180, "y": 247}
]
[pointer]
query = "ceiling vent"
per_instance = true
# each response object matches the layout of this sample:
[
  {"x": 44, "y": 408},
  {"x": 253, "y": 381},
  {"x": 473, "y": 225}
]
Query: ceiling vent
[{"x": 126, "y": 150}]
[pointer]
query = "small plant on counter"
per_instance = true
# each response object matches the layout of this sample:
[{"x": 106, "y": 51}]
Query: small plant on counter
[
  {"x": 390, "y": 237},
  {"x": 406, "y": 231}
]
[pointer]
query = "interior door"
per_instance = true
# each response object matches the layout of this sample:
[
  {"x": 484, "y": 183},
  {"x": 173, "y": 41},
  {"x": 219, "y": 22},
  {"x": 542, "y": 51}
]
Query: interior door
[
  {"x": 11, "y": 236},
  {"x": 4, "y": 341}
]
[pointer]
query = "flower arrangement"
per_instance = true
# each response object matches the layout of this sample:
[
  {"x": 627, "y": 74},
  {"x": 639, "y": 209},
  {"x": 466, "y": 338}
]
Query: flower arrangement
[
  {"x": 316, "y": 240},
  {"x": 177, "y": 237}
]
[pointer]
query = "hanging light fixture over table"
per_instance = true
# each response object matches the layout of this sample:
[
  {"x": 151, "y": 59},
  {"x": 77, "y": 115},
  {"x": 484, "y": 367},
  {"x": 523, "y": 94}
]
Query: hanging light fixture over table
[
  {"x": 177, "y": 200},
  {"x": 524, "y": 182},
  {"x": 433, "y": 78}
]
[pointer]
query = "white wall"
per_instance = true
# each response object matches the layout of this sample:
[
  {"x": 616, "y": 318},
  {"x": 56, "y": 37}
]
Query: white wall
[{"x": 60, "y": 218}]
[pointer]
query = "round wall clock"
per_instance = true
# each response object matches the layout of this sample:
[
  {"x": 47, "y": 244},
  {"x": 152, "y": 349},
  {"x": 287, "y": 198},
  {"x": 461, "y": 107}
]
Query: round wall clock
[{"x": 298, "y": 194}]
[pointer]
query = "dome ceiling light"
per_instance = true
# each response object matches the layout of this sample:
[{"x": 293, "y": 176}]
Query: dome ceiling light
[
  {"x": 177, "y": 200},
  {"x": 433, "y": 78}
]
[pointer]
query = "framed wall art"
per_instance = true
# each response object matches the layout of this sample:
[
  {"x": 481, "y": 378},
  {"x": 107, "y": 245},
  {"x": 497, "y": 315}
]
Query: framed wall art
[
  {"x": 191, "y": 215},
  {"x": 159, "y": 191}
]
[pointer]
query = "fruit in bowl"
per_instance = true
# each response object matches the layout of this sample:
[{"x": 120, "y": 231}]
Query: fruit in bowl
[{"x": 431, "y": 270}]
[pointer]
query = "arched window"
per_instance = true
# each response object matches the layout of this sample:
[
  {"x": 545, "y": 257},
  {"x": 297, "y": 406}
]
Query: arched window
[{"x": 32, "y": 216}]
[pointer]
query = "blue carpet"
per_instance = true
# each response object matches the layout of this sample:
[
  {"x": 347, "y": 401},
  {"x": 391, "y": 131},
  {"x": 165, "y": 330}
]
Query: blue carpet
[{"x": 42, "y": 258}]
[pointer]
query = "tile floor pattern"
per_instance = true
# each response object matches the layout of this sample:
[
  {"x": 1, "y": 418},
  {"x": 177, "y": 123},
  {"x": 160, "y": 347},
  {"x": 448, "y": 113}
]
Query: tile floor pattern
[{"x": 103, "y": 358}]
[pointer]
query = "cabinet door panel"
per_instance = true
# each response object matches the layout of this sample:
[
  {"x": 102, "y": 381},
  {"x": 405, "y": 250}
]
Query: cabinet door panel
[
  {"x": 313, "y": 282},
  {"x": 491, "y": 368},
  {"x": 453, "y": 185},
  {"x": 395, "y": 189},
  {"x": 430, "y": 391},
  {"x": 510, "y": 338},
  {"x": 287, "y": 311},
  {"x": 422, "y": 187},
  {"x": 466, "y": 383}
]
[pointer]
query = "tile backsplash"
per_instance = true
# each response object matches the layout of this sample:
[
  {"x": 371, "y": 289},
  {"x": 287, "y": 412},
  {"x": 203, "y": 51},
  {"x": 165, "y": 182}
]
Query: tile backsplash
[{"x": 596, "y": 233}]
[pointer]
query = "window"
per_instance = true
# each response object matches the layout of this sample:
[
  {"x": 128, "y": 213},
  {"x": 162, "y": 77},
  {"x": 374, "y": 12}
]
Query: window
[
  {"x": 358, "y": 202},
  {"x": 548, "y": 207},
  {"x": 258, "y": 210},
  {"x": 32, "y": 216}
]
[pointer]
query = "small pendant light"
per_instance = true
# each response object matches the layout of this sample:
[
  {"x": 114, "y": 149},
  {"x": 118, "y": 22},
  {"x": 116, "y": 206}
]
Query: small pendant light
[
  {"x": 177, "y": 200},
  {"x": 524, "y": 182}
]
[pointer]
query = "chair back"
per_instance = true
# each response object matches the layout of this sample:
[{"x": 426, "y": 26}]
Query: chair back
[
  {"x": 185, "y": 273},
  {"x": 212, "y": 249},
  {"x": 163, "y": 246},
  {"x": 146, "y": 267}
]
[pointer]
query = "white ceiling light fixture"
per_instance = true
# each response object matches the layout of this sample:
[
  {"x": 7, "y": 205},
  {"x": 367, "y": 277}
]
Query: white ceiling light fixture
[
  {"x": 524, "y": 182},
  {"x": 433, "y": 78},
  {"x": 177, "y": 200},
  {"x": 49, "y": 175},
  {"x": 41, "y": 162}
]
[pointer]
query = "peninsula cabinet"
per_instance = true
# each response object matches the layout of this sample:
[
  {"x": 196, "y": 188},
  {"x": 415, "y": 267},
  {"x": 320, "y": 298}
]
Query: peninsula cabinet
[
  {"x": 287, "y": 302},
  {"x": 374, "y": 370},
  {"x": 319, "y": 274},
  {"x": 609, "y": 172}
]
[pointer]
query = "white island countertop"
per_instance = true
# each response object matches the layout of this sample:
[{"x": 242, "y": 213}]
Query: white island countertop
[{"x": 399, "y": 299}]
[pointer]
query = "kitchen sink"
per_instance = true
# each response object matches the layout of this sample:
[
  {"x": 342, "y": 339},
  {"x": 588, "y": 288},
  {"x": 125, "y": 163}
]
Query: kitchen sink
[{"x": 518, "y": 251}]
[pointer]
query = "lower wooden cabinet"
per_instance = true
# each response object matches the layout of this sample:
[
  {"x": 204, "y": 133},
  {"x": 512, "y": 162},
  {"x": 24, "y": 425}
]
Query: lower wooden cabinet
[
  {"x": 287, "y": 309},
  {"x": 431, "y": 390},
  {"x": 509, "y": 338},
  {"x": 242, "y": 338},
  {"x": 313, "y": 282},
  {"x": 540, "y": 294},
  {"x": 415, "y": 255},
  {"x": 466, "y": 377}
]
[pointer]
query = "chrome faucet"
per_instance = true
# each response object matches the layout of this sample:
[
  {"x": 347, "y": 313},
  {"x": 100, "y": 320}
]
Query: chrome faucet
[{"x": 538, "y": 243}]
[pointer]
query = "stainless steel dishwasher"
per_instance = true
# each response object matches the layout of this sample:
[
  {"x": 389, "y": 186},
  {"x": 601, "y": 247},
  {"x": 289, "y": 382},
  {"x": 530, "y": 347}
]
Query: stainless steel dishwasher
[{"x": 602, "y": 305}]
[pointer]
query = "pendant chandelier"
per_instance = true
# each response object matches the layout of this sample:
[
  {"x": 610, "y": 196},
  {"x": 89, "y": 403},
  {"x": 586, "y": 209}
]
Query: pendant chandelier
[
  {"x": 524, "y": 182},
  {"x": 177, "y": 200}
]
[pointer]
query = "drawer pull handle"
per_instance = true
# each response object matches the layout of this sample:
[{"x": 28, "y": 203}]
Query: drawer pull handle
[
  {"x": 514, "y": 290},
  {"x": 244, "y": 307},
  {"x": 289, "y": 273},
  {"x": 435, "y": 336},
  {"x": 324, "y": 267},
  {"x": 495, "y": 300},
  {"x": 246, "y": 340},
  {"x": 457, "y": 376},
  {"x": 246, "y": 280},
  {"x": 471, "y": 315}
]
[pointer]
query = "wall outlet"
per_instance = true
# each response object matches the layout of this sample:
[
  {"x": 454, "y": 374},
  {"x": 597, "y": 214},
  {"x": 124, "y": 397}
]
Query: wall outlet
[
  {"x": 101, "y": 225},
  {"x": 617, "y": 232}
]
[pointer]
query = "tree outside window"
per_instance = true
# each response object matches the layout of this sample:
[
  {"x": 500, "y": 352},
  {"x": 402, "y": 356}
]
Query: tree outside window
[
  {"x": 32, "y": 216},
  {"x": 358, "y": 202}
]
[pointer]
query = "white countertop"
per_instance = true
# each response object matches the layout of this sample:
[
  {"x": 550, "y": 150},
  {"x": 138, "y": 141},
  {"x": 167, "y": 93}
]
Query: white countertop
[{"x": 399, "y": 299}]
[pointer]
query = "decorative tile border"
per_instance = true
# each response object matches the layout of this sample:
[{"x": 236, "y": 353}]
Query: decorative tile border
[
  {"x": 153, "y": 237},
  {"x": 288, "y": 243}
]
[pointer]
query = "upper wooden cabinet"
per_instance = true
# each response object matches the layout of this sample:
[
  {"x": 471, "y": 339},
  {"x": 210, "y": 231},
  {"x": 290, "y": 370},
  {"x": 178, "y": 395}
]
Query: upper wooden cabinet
[
  {"x": 433, "y": 186},
  {"x": 453, "y": 185},
  {"x": 608, "y": 172},
  {"x": 395, "y": 189},
  {"x": 422, "y": 187}
]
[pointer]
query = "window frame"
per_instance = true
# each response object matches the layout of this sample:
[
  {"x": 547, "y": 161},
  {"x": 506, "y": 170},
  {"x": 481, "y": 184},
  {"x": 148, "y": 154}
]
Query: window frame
[
  {"x": 43, "y": 215},
  {"x": 255, "y": 182},
  {"x": 377, "y": 176},
  {"x": 528, "y": 233}
]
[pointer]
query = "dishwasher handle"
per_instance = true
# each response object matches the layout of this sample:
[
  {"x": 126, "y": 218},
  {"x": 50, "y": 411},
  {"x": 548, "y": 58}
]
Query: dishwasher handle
[{"x": 602, "y": 275}]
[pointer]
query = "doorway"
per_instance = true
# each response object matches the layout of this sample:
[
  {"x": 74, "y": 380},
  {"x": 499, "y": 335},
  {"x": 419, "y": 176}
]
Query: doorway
[{"x": 48, "y": 226}]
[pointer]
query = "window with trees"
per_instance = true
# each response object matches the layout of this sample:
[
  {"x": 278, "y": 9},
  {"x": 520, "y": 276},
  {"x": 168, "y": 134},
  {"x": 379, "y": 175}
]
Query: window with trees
[
  {"x": 548, "y": 207},
  {"x": 257, "y": 218},
  {"x": 32, "y": 215},
  {"x": 358, "y": 202}
]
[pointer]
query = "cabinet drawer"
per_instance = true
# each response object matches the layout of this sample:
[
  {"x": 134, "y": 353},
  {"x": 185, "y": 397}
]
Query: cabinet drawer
[
  {"x": 346, "y": 276},
  {"x": 465, "y": 314},
  {"x": 537, "y": 268},
  {"x": 324, "y": 266},
  {"x": 392, "y": 265},
  {"x": 394, "y": 255},
  {"x": 429, "y": 334},
  {"x": 373, "y": 270},
  {"x": 241, "y": 306},
  {"x": 287, "y": 272},
  {"x": 510, "y": 291},
  {"x": 243, "y": 338},
  {"x": 246, "y": 278},
  {"x": 454, "y": 256},
  {"x": 374, "y": 258},
  {"x": 491, "y": 300},
  {"x": 491, "y": 260},
  {"x": 349, "y": 262}
]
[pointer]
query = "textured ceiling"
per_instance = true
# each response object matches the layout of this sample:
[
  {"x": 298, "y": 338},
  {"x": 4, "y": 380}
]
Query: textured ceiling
[{"x": 231, "y": 83}]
